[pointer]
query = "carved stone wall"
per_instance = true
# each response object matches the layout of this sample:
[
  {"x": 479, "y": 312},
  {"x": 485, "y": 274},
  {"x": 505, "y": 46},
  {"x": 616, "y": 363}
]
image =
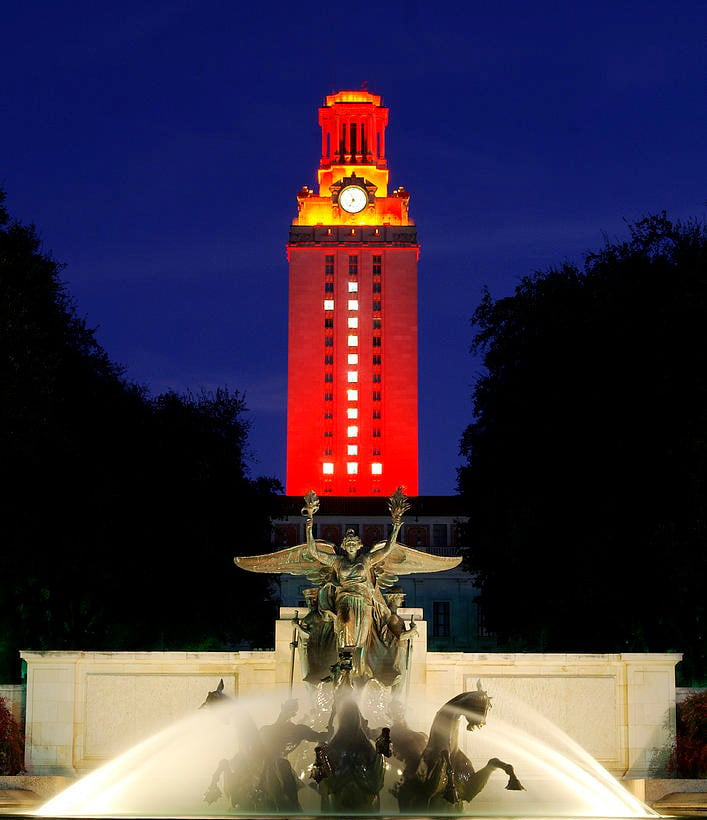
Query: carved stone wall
[{"x": 85, "y": 707}]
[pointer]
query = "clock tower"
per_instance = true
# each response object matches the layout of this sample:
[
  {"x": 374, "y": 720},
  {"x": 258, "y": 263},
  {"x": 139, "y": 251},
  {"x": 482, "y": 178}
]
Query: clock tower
[{"x": 352, "y": 364}]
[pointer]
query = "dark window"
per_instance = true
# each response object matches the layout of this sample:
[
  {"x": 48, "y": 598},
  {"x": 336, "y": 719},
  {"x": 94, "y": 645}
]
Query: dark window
[
  {"x": 353, "y": 265},
  {"x": 376, "y": 432},
  {"x": 376, "y": 341},
  {"x": 328, "y": 377},
  {"x": 482, "y": 629},
  {"x": 328, "y": 321},
  {"x": 376, "y": 358},
  {"x": 329, "y": 265},
  {"x": 328, "y": 414},
  {"x": 377, "y": 265},
  {"x": 376, "y": 306},
  {"x": 440, "y": 619},
  {"x": 376, "y": 395},
  {"x": 329, "y": 341},
  {"x": 439, "y": 535},
  {"x": 376, "y": 287},
  {"x": 328, "y": 434},
  {"x": 328, "y": 397},
  {"x": 376, "y": 414},
  {"x": 327, "y": 451},
  {"x": 377, "y": 324},
  {"x": 377, "y": 452},
  {"x": 328, "y": 287},
  {"x": 376, "y": 378},
  {"x": 328, "y": 359}
]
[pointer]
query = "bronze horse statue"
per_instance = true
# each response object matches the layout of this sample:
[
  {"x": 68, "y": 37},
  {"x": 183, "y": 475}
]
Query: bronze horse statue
[
  {"x": 440, "y": 777},
  {"x": 259, "y": 777},
  {"x": 350, "y": 769}
]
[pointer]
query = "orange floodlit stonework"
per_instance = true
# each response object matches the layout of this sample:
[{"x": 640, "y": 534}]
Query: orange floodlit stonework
[{"x": 352, "y": 368}]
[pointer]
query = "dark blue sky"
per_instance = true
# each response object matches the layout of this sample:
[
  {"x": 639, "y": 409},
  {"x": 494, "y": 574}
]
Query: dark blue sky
[{"x": 158, "y": 147}]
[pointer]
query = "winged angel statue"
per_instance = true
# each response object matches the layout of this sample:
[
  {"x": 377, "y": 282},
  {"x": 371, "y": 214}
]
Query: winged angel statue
[{"x": 351, "y": 578}]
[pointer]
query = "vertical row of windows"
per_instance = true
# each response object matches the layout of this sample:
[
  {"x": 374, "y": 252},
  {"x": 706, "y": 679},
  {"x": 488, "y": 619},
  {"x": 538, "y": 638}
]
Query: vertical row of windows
[
  {"x": 328, "y": 466},
  {"x": 377, "y": 466},
  {"x": 352, "y": 374}
]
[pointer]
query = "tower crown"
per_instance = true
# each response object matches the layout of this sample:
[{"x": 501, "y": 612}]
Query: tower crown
[{"x": 353, "y": 137}]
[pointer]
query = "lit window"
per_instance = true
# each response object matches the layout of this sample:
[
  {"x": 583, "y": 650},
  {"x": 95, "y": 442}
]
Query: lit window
[
  {"x": 353, "y": 358},
  {"x": 328, "y": 304},
  {"x": 328, "y": 468},
  {"x": 353, "y": 321},
  {"x": 352, "y": 412},
  {"x": 376, "y": 468},
  {"x": 353, "y": 304},
  {"x": 353, "y": 287},
  {"x": 352, "y": 376},
  {"x": 352, "y": 431},
  {"x": 352, "y": 395},
  {"x": 352, "y": 450},
  {"x": 351, "y": 467},
  {"x": 353, "y": 341}
]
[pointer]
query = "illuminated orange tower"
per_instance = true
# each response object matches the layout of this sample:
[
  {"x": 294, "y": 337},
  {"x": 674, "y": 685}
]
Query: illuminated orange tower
[{"x": 352, "y": 368}]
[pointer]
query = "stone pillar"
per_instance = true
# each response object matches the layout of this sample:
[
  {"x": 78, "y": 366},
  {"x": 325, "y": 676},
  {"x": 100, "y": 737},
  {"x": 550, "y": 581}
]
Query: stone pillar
[{"x": 650, "y": 698}]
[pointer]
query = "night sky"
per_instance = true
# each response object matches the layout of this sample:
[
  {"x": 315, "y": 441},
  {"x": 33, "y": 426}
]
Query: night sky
[{"x": 158, "y": 147}]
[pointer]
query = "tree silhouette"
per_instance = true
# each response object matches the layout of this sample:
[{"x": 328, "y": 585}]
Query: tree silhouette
[
  {"x": 121, "y": 513},
  {"x": 586, "y": 471}
]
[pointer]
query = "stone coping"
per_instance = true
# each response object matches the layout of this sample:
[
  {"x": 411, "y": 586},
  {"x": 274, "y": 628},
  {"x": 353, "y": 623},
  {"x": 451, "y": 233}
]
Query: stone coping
[{"x": 467, "y": 657}]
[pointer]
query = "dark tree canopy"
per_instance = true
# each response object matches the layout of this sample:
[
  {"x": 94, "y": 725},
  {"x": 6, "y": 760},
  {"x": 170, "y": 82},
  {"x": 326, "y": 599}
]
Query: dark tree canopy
[
  {"x": 586, "y": 473},
  {"x": 120, "y": 513}
]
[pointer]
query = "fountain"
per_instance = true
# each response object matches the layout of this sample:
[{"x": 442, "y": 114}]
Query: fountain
[{"x": 365, "y": 744}]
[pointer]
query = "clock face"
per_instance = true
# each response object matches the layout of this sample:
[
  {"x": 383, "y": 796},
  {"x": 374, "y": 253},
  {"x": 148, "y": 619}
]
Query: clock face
[{"x": 353, "y": 199}]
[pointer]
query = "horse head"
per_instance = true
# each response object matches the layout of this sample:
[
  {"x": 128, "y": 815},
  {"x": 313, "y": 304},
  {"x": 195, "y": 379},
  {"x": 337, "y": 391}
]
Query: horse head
[
  {"x": 476, "y": 706},
  {"x": 217, "y": 697}
]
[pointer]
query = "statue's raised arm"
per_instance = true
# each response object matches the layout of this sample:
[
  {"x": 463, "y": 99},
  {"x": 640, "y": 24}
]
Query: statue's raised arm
[
  {"x": 313, "y": 559},
  {"x": 311, "y": 505},
  {"x": 398, "y": 505}
]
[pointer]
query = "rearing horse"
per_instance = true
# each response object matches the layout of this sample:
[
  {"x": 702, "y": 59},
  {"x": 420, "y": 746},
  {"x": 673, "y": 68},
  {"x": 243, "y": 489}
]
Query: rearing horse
[{"x": 444, "y": 774}]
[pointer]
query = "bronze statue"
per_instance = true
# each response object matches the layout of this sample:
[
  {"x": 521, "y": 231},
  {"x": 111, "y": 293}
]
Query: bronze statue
[
  {"x": 350, "y": 769},
  {"x": 443, "y": 777},
  {"x": 317, "y": 649},
  {"x": 260, "y": 777},
  {"x": 352, "y": 577}
]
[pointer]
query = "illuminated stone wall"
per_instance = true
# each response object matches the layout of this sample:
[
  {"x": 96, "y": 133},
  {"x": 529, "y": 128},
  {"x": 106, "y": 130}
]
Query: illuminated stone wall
[{"x": 85, "y": 707}]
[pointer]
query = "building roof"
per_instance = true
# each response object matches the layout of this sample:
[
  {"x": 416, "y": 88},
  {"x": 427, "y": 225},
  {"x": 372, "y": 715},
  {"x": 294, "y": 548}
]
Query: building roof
[{"x": 426, "y": 505}]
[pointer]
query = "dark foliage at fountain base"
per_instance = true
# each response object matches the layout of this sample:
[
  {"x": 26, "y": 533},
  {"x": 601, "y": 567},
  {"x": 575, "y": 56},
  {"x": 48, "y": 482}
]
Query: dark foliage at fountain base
[
  {"x": 12, "y": 744},
  {"x": 689, "y": 756}
]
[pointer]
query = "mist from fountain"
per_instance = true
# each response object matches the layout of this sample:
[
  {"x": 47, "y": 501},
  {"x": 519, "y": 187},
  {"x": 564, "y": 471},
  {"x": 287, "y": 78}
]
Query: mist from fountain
[{"x": 168, "y": 774}]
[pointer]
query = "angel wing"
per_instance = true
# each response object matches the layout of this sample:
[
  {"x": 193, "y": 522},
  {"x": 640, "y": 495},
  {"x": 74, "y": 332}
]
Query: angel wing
[
  {"x": 293, "y": 560},
  {"x": 404, "y": 560}
]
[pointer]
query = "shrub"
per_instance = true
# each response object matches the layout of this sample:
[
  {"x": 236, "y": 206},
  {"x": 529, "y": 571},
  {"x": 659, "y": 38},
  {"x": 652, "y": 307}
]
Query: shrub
[
  {"x": 12, "y": 742},
  {"x": 689, "y": 757}
]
